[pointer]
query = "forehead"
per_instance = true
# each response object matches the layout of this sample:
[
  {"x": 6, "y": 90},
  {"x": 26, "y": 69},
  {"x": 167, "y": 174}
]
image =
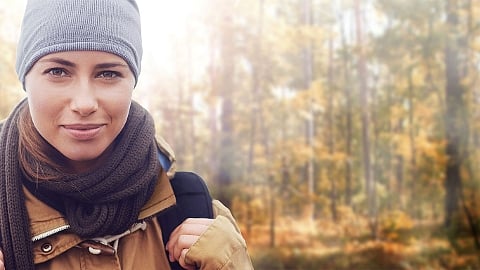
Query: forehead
[{"x": 83, "y": 57}]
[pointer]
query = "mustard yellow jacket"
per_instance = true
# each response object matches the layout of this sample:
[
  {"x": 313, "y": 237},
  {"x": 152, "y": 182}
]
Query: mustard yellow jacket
[{"x": 220, "y": 247}]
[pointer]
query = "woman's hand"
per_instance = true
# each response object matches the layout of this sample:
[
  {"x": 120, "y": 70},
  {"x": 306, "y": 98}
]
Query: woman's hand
[
  {"x": 183, "y": 237},
  {"x": 2, "y": 266}
]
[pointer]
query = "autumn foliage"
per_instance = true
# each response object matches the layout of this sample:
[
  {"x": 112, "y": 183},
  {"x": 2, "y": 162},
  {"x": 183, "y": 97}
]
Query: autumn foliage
[{"x": 342, "y": 134}]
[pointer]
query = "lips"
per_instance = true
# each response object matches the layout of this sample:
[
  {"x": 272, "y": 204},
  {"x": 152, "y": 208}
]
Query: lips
[{"x": 83, "y": 132}]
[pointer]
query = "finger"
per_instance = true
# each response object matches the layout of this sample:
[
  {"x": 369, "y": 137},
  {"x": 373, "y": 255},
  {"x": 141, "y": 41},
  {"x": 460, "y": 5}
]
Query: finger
[
  {"x": 184, "y": 242},
  {"x": 2, "y": 265},
  {"x": 193, "y": 229},
  {"x": 199, "y": 221},
  {"x": 182, "y": 262},
  {"x": 175, "y": 246},
  {"x": 185, "y": 229},
  {"x": 189, "y": 227},
  {"x": 205, "y": 221}
]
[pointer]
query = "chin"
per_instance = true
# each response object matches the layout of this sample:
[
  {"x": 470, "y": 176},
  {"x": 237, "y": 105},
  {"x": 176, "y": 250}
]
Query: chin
[{"x": 83, "y": 155}]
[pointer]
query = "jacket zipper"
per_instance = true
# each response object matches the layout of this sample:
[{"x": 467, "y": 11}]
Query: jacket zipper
[
  {"x": 65, "y": 227},
  {"x": 48, "y": 233}
]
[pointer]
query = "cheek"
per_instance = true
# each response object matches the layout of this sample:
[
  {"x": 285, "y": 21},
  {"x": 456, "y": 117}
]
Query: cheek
[
  {"x": 118, "y": 110},
  {"x": 38, "y": 92},
  {"x": 38, "y": 107},
  {"x": 42, "y": 106},
  {"x": 44, "y": 115}
]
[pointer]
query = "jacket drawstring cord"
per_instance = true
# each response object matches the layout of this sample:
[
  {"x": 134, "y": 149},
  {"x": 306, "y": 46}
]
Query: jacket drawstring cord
[{"x": 110, "y": 241}]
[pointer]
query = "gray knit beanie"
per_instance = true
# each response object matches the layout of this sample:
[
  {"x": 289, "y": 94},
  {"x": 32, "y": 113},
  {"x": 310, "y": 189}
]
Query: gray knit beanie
[{"x": 51, "y": 26}]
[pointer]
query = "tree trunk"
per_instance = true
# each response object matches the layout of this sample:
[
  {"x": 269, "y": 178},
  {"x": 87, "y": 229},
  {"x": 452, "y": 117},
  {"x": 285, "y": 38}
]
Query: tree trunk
[
  {"x": 180, "y": 129},
  {"x": 272, "y": 189},
  {"x": 226, "y": 89},
  {"x": 399, "y": 172},
  {"x": 191, "y": 114},
  {"x": 390, "y": 174},
  {"x": 413, "y": 152},
  {"x": 255, "y": 108},
  {"x": 307, "y": 57},
  {"x": 365, "y": 118},
  {"x": 331, "y": 135},
  {"x": 273, "y": 211},
  {"x": 348, "y": 115},
  {"x": 470, "y": 202},
  {"x": 453, "y": 121}
]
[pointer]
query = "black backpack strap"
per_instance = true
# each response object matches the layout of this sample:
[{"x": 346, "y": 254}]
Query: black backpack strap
[{"x": 193, "y": 201}]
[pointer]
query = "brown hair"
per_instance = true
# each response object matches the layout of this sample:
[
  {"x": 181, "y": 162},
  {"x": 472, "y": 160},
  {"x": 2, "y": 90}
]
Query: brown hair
[{"x": 34, "y": 150}]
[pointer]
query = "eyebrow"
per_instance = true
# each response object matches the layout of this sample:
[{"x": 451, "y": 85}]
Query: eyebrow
[
  {"x": 59, "y": 61},
  {"x": 67, "y": 63},
  {"x": 110, "y": 65}
]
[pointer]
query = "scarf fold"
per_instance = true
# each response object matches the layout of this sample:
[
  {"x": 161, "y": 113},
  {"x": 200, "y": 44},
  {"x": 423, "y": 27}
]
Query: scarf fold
[{"x": 104, "y": 201}]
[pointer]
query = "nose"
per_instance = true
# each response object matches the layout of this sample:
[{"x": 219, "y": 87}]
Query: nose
[{"x": 84, "y": 101}]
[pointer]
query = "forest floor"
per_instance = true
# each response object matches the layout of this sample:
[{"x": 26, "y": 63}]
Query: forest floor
[{"x": 350, "y": 245}]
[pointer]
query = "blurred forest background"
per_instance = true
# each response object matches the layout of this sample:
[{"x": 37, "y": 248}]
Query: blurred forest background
[{"x": 344, "y": 134}]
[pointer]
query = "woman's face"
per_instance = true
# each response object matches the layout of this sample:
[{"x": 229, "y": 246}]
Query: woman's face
[{"x": 79, "y": 102}]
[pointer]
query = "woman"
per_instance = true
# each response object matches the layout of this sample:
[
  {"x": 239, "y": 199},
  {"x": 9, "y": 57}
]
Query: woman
[{"x": 82, "y": 182}]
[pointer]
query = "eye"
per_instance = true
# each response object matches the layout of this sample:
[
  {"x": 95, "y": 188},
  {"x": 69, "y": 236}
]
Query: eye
[
  {"x": 56, "y": 72},
  {"x": 108, "y": 74}
]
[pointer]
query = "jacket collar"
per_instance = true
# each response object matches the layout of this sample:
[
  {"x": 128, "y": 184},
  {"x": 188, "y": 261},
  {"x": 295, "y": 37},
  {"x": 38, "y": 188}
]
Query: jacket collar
[{"x": 44, "y": 219}]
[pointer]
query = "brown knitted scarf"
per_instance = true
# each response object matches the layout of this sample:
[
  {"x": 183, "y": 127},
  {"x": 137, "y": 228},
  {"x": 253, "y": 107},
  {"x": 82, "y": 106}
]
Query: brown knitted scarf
[{"x": 104, "y": 201}]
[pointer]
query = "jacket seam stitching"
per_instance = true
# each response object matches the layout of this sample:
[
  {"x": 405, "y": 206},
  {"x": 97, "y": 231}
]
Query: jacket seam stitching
[{"x": 235, "y": 250}]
